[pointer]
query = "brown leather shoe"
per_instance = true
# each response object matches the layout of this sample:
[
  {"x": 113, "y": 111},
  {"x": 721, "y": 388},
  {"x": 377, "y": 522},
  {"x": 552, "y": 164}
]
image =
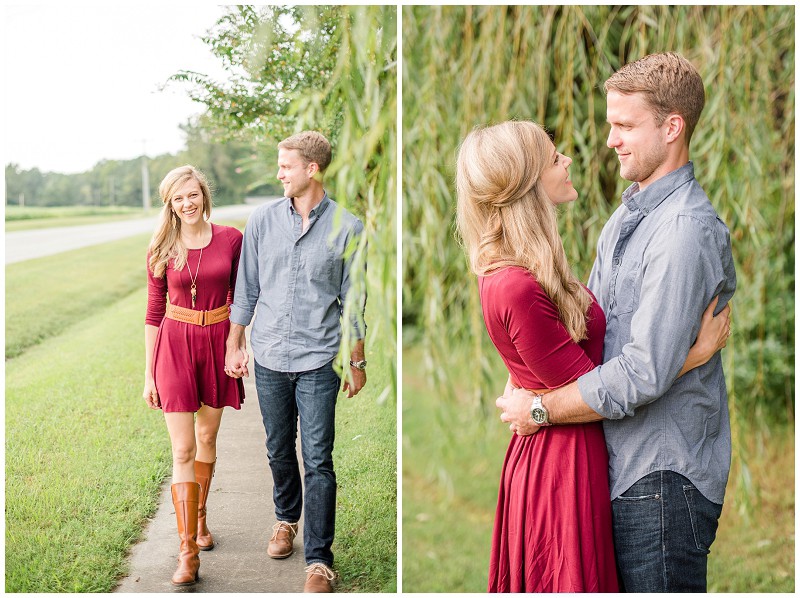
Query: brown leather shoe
[
  {"x": 184, "y": 499},
  {"x": 280, "y": 544},
  {"x": 320, "y": 578},
  {"x": 203, "y": 472}
]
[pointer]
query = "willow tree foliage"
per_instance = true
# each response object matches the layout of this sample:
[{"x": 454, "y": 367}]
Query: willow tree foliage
[
  {"x": 469, "y": 65},
  {"x": 332, "y": 69}
]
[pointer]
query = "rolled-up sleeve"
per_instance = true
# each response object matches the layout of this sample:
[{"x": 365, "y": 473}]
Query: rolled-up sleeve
[
  {"x": 682, "y": 270},
  {"x": 245, "y": 296}
]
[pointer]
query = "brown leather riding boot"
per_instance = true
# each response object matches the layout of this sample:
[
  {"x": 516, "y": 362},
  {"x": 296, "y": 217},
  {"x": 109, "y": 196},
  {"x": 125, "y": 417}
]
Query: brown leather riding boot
[
  {"x": 203, "y": 472},
  {"x": 185, "y": 498}
]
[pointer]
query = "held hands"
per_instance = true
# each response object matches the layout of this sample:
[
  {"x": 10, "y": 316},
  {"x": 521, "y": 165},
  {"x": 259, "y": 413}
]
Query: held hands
[
  {"x": 150, "y": 394},
  {"x": 236, "y": 359},
  {"x": 516, "y": 406}
]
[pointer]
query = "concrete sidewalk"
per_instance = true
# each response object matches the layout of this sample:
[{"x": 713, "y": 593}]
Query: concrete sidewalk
[{"x": 240, "y": 516}]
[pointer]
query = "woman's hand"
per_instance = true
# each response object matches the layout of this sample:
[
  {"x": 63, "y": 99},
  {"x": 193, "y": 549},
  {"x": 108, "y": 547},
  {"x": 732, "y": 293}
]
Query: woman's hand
[
  {"x": 713, "y": 336},
  {"x": 150, "y": 394}
]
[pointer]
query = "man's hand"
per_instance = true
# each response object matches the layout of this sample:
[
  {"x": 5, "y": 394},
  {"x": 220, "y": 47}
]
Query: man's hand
[
  {"x": 354, "y": 382},
  {"x": 236, "y": 359},
  {"x": 236, "y": 356},
  {"x": 355, "y": 379},
  {"x": 516, "y": 406}
]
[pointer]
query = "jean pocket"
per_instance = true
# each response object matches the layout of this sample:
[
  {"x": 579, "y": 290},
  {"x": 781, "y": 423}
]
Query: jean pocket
[{"x": 704, "y": 516}]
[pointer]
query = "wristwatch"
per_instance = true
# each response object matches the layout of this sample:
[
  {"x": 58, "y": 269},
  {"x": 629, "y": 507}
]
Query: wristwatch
[
  {"x": 359, "y": 365},
  {"x": 539, "y": 414}
]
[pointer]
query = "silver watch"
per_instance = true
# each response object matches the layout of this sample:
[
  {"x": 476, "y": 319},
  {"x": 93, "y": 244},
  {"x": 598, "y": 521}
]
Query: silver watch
[
  {"x": 359, "y": 365},
  {"x": 539, "y": 414}
]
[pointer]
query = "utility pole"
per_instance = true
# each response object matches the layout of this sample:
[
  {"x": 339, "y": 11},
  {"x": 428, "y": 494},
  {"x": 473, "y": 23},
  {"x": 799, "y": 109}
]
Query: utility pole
[{"x": 145, "y": 180}]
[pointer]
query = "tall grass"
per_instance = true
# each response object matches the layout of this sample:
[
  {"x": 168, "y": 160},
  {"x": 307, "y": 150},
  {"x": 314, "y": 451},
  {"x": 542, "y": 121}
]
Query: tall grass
[{"x": 468, "y": 65}]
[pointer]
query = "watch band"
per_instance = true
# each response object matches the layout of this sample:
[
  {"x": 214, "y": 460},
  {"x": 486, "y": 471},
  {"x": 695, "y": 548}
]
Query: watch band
[
  {"x": 539, "y": 413},
  {"x": 359, "y": 365}
]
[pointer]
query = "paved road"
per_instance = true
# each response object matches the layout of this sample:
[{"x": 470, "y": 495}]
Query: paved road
[
  {"x": 240, "y": 516},
  {"x": 29, "y": 244}
]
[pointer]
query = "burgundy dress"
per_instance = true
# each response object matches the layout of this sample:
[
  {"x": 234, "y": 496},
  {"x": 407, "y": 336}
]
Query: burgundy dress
[
  {"x": 552, "y": 529},
  {"x": 189, "y": 360}
]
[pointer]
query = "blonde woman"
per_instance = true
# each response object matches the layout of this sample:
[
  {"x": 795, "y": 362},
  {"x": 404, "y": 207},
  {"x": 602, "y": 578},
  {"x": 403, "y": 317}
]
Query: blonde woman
[
  {"x": 552, "y": 530},
  {"x": 194, "y": 263}
]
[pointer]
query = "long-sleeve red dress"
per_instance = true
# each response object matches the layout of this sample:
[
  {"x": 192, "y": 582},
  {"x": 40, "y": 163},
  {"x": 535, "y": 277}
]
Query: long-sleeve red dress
[
  {"x": 552, "y": 529},
  {"x": 189, "y": 360}
]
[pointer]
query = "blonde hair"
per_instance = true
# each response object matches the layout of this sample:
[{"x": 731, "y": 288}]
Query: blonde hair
[
  {"x": 312, "y": 147},
  {"x": 670, "y": 85},
  {"x": 505, "y": 218},
  {"x": 166, "y": 243}
]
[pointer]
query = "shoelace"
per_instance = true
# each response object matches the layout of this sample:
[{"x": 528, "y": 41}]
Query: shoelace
[
  {"x": 285, "y": 526},
  {"x": 320, "y": 569}
]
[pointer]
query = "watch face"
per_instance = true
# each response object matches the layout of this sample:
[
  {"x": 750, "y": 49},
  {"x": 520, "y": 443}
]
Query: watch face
[{"x": 539, "y": 416}]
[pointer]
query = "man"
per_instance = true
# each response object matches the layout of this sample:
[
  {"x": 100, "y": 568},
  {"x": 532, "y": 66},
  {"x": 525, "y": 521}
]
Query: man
[
  {"x": 661, "y": 258},
  {"x": 295, "y": 266}
]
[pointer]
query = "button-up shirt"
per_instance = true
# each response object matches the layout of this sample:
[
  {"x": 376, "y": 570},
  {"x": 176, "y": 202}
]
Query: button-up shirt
[
  {"x": 299, "y": 280},
  {"x": 661, "y": 258}
]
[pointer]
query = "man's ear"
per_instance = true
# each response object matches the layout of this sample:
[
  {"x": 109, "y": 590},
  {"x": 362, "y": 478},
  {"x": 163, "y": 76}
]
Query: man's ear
[
  {"x": 675, "y": 126},
  {"x": 312, "y": 169}
]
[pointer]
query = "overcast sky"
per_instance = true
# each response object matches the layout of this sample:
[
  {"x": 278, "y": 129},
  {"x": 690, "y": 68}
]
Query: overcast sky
[{"x": 81, "y": 81}]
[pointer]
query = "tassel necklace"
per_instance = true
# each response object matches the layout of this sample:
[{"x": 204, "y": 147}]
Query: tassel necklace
[{"x": 194, "y": 278}]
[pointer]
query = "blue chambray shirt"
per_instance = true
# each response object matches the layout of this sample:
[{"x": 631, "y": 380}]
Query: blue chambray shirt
[
  {"x": 299, "y": 281},
  {"x": 661, "y": 258}
]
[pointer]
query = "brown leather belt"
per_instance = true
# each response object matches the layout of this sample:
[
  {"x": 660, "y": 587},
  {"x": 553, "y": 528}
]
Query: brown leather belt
[{"x": 197, "y": 317}]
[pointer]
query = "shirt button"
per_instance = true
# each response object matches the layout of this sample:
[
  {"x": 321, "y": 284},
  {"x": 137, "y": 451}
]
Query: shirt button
[{"x": 616, "y": 261}]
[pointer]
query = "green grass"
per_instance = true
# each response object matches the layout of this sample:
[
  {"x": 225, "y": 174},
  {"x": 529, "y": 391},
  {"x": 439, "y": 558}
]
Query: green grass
[
  {"x": 83, "y": 468},
  {"x": 755, "y": 553},
  {"x": 451, "y": 467},
  {"x": 365, "y": 458},
  {"x": 452, "y": 458},
  {"x": 40, "y": 217},
  {"x": 44, "y": 296}
]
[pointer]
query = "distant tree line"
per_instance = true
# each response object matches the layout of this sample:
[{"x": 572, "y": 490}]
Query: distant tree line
[{"x": 236, "y": 169}]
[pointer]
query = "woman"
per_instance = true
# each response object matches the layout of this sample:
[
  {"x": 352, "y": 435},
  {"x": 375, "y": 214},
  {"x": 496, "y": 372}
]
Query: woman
[
  {"x": 552, "y": 528},
  {"x": 194, "y": 262}
]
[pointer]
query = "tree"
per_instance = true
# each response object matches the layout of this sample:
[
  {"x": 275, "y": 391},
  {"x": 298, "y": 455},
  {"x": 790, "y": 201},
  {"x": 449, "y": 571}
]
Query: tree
[{"x": 328, "y": 68}]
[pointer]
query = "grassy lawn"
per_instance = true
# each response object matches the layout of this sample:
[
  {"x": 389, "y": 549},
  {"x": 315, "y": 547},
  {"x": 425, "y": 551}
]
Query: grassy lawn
[
  {"x": 365, "y": 458},
  {"x": 45, "y": 296},
  {"x": 39, "y": 217},
  {"x": 74, "y": 505},
  {"x": 83, "y": 468},
  {"x": 452, "y": 458}
]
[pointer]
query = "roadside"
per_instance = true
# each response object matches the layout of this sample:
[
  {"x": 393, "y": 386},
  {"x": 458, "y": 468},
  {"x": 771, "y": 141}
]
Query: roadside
[
  {"x": 29, "y": 244},
  {"x": 240, "y": 516}
]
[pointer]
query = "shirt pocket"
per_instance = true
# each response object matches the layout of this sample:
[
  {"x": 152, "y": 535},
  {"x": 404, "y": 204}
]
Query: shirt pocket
[
  {"x": 629, "y": 285},
  {"x": 319, "y": 265}
]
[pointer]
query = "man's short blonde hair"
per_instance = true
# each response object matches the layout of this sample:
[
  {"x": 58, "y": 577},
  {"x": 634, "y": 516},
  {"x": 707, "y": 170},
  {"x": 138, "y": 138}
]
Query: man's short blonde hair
[
  {"x": 312, "y": 147},
  {"x": 669, "y": 83}
]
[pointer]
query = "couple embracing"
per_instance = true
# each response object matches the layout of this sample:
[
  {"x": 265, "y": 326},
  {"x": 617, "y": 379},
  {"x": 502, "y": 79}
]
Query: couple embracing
[
  {"x": 616, "y": 470},
  {"x": 294, "y": 264}
]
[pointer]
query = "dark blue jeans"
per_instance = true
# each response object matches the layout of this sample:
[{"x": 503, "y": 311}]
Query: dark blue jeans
[
  {"x": 663, "y": 530},
  {"x": 310, "y": 395}
]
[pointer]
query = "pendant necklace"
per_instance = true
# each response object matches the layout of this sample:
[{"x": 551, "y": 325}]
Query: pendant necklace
[{"x": 194, "y": 278}]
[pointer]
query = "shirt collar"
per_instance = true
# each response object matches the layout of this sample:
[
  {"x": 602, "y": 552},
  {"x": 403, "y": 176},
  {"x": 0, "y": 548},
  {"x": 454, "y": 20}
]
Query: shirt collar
[
  {"x": 317, "y": 210},
  {"x": 649, "y": 199}
]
